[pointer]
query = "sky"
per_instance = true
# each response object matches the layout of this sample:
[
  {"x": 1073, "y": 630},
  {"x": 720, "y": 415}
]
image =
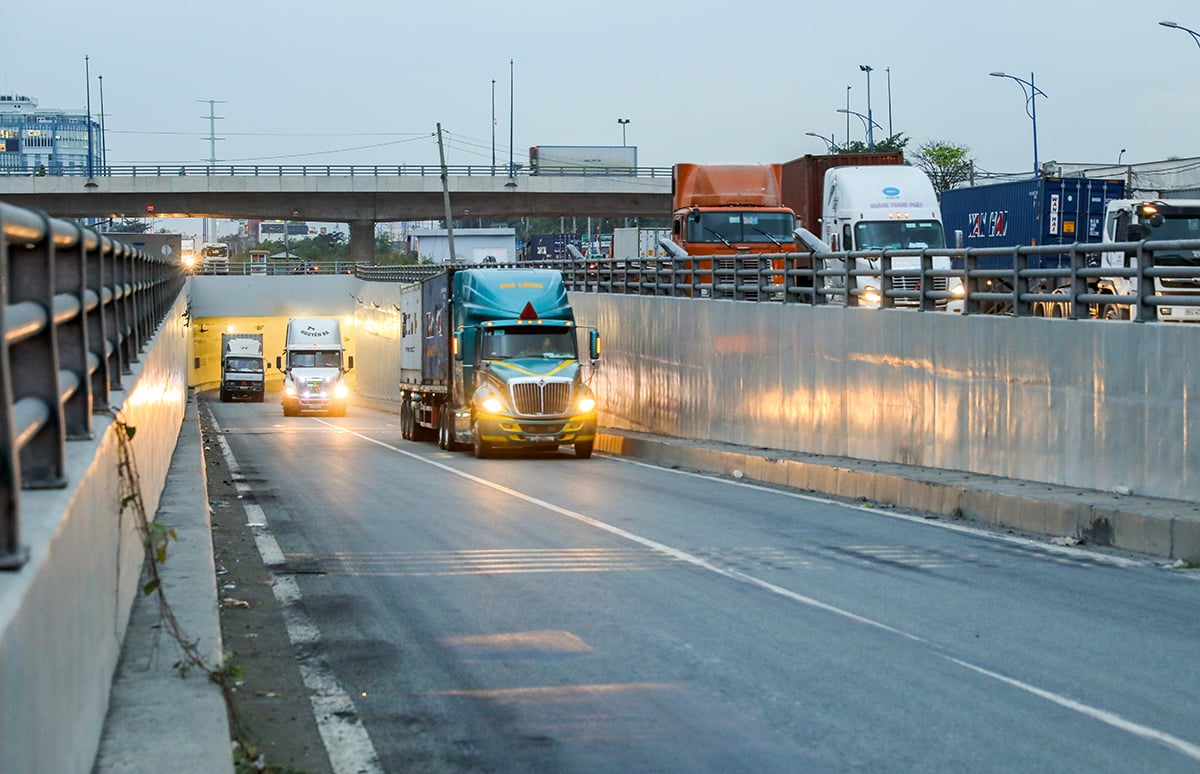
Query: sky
[{"x": 303, "y": 82}]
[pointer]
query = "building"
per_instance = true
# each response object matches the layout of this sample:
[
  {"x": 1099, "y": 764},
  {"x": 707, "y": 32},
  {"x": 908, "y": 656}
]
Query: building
[
  {"x": 471, "y": 245},
  {"x": 36, "y": 140}
]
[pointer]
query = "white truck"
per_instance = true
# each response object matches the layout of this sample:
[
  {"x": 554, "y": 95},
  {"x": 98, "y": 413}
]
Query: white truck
[
  {"x": 314, "y": 365},
  {"x": 583, "y": 160},
  {"x": 214, "y": 258},
  {"x": 242, "y": 367},
  {"x": 885, "y": 207},
  {"x": 1132, "y": 220},
  {"x": 635, "y": 247}
]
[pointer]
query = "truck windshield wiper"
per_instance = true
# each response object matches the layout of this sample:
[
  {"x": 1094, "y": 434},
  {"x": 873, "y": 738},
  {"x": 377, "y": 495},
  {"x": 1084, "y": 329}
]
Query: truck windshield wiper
[
  {"x": 718, "y": 235},
  {"x": 768, "y": 236}
]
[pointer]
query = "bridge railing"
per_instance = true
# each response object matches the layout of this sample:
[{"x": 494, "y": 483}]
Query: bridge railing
[
  {"x": 1027, "y": 281},
  {"x": 169, "y": 169},
  {"x": 76, "y": 309}
]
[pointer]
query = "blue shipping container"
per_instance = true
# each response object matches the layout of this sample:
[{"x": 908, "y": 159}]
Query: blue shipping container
[{"x": 1043, "y": 211}]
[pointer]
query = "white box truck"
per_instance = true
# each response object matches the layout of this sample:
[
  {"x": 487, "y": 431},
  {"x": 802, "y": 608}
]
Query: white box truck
[
  {"x": 314, "y": 365},
  {"x": 242, "y": 366}
]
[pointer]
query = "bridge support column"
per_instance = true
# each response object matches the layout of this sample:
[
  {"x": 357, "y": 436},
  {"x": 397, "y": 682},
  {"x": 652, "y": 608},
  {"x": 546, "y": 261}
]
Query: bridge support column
[{"x": 362, "y": 241}]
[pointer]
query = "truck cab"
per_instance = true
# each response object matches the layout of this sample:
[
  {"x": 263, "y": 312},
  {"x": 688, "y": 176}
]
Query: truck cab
[
  {"x": 870, "y": 209},
  {"x": 1134, "y": 220},
  {"x": 314, "y": 366}
]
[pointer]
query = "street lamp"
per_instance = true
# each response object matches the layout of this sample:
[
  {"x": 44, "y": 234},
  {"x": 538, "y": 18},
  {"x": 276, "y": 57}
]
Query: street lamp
[
  {"x": 828, "y": 140},
  {"x": 870, "y": 121},
  {"x": 847, "y": 114},
  {"x": 1031, "y": 95},
  {"x": 867, "y": 121},
  {"x": 1119, "y": 155},
  {"x": 1175, "y": 26},
  {"x": 623, "y": 122}
]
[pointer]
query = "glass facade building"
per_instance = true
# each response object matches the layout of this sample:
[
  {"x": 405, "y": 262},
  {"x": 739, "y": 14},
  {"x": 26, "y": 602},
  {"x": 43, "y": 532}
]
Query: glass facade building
[{"x": 42, "y": 141}]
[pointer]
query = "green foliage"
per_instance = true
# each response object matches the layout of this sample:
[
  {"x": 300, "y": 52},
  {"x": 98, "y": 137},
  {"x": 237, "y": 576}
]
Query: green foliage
[
  {"x": 131, "y": 226},
  {"x": 946, "y": 164},
  {"x": 894, "y": 144}
]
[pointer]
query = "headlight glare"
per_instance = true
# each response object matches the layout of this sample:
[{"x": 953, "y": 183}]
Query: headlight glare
[
  {"x": 492, "y": 404},
  {"x": 587, "y": 404},
  {"x": 341, "y": 390}
]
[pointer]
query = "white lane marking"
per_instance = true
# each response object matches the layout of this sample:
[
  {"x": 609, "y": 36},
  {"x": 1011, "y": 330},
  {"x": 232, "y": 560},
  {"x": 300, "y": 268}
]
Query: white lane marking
[
  {"x": 346, "y": 740},
  {"x": 1109, "y": 718}
]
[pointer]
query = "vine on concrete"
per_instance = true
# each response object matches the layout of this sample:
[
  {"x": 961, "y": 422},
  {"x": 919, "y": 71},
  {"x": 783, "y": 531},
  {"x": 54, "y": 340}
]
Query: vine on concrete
[{"x": 156, "y": 538}]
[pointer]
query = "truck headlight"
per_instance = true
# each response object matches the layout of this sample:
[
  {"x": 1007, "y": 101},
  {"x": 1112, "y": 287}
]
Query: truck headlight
[
  {"x": 289, "y": 390},
  {"x": 870, "y": 294},
  {"x": 492, "y": 405},
  {"x": 341, "y": 390},
  {"x": 958, "y": 290},
  {"x": 587, "y": 403}
]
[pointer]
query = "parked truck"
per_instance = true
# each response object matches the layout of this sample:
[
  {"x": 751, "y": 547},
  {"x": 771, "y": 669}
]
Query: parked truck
[
  {"x": 490, "y": 360},
  {"x": 314, "y": 365},
  {"x": 1133, "y": 220},
  {"x": 868, "y": 208},
  {"x": 583, "y": 159},
  {"x": 551, "y": 247},
  {"x": 635, "y": 247},
  {"x": 242, "y": 366},
  {"x": 1036, "y": 211},
  {"x": 725, "y": 210}
]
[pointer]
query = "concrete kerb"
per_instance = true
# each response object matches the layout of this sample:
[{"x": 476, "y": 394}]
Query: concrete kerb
[
  {"x": 1164, "y": 528},
  {"x": 156, "y": 717}
]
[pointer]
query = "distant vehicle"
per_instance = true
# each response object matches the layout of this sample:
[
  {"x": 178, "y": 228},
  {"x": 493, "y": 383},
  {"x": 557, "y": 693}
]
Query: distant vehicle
[
  {"x": 214, "y": 258},
  {"x": 187, "y": 254},
  {"x": 242, "y": 366},
  {"x": 582, "y": 159},
  {"x": 258, "y": 260},
  {"x": 1131, "y": 220}
]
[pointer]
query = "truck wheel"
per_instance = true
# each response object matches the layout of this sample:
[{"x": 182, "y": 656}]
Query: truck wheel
[
  {"x": 583, "y": 449},
  {"x": 405, "y": 422},
  {"x": 258, "y": 398},
  {"x": 443, "y": 441},
  {"x": 289, "y": 411},
  {"x": 1116, "y": 312},
  {"x": 483, "y": 450},
  {"x": 224, "y": 396}
]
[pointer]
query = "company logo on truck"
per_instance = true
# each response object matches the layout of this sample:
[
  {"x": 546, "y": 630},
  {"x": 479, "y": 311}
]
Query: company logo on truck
[
  {"x": 988, "y": 224},
  {"x": 891, "y": 192},
  {"x": 315, "y": 332}
]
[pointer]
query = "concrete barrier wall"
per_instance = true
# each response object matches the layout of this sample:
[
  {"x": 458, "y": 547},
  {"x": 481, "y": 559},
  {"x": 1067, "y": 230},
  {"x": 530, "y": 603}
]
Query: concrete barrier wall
[
  {"x": 63, "y": 615},
  {"x": 1089, "y": 404}
]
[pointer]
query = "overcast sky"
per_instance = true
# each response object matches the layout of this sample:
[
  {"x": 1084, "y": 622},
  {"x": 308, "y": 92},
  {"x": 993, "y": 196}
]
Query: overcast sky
[{"x": 303, "y": 82}]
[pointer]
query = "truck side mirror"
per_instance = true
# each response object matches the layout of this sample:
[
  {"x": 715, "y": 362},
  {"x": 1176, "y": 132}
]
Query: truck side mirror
[{"x": 594, "y": 345}]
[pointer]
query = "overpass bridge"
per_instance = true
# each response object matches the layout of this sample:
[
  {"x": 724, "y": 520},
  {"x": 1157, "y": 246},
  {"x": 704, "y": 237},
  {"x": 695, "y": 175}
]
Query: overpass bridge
[
  {"x": 360, "y": 196},
  {"x": 1095, "y": 405}
]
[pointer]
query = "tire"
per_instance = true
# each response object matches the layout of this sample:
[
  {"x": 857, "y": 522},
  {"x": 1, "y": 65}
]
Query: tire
[
  {"x": 1116, "y": 312},
  {"x": 288, "y": 411},
  {"x": 337, "y": 411},
  {"x": 406, "y": 421},
  {"x": 224, "y": 396},
  {"x": 482, "y": 449},
  {"x": 258, "y": 398},
  {"x": 443, "y": 441},
  {"x": 583, "y": 449}
]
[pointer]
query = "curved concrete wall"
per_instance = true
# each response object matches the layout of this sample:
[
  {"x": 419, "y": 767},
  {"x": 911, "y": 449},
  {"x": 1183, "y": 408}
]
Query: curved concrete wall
[
  {"x": 63, "y": 615},
  {"x": 1080, "y": 403}
]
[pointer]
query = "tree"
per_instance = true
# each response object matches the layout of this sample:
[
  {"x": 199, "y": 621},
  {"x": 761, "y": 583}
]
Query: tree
[
  {"x": 131, "y": 226},
  {"x": 946, "y": 164},
  {"x": 893, "y": 144}
]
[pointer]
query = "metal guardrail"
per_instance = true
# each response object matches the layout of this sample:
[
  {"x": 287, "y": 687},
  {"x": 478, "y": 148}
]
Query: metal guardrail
[
  {"x": 76, "y": 309},
  {"x": 167, "y": 169},
  {"x": 1027, "y": 288}
]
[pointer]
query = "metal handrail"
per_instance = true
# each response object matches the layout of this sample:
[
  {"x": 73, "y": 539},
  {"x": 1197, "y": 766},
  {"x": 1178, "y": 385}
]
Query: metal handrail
[
  {"x": 175, "y": 169},
  {"x": 1068, "y": 290},
  {"x": 76, "y": 309}
]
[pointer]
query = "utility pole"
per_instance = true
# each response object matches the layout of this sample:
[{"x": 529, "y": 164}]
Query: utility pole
[
  {"x": 211, "y": 224},
  {"x": 493, "y": 127},
  {"x": 446, "y": 196},
  {"x": 91, "y": 166},
  {"x": 512, "y": 172}
]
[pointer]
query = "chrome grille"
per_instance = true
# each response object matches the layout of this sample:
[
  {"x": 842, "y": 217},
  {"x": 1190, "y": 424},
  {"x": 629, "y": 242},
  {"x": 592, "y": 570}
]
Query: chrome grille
[{"x": 541, "y": 397}]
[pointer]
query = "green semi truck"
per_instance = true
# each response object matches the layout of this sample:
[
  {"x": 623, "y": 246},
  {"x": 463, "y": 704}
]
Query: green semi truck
[{"x": 490, "y": 361}]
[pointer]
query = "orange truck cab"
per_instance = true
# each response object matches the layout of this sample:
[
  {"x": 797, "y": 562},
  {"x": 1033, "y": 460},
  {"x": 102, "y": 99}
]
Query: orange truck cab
[{"x": 727, "y": 210}]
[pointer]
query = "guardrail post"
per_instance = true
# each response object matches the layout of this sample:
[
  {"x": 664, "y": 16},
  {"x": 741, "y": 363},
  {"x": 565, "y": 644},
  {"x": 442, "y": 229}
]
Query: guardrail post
[
  {"x": 35, "y": 378},
  {"x": 100, "y": 326},
  {"x": 887, "y": 283},
  {"x": 1145, "y": 312},
  {"x": 1079, "y": 285},
  {"x": 12, "y": 554},
  {"x": 926, "y": 283},
  {"x": 1020, "y": 285},
  {"x": 70, "y": 267}
]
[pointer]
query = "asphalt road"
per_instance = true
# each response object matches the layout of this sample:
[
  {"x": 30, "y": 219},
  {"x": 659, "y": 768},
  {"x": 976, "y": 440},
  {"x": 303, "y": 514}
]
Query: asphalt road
[{"x": 553, "y": 614}]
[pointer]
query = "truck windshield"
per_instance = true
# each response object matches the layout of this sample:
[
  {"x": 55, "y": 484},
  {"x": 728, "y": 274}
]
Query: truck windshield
[
  {"x": 731, "y": 227},
  {"x": 317, "y": 359},
  {"x": 527, "y": 341},
  {"x": 247, "y": 365},
  {"x": 1177, "y": 226},
  {"x": 898, "y": 234}
]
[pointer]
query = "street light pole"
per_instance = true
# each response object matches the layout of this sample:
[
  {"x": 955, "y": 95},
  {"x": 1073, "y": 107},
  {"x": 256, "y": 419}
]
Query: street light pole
[
  {"x": 847, "y": 143},
  {"x": 623, "y": 122},
  {"x": 828, "y": 140},
  {"x": 861, "y": 117},
  {"x": 493, "y": 126},
  {"x": 1031, "y": 95},
  {"x": 888, "y": 70},
  {"x": 870, "y": 121},
  {"x": 1173, "y": 25}
]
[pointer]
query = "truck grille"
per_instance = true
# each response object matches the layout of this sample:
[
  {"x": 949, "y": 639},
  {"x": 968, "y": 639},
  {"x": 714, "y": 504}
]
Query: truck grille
[
  {"x": 914, "y": 283},
  {"x": 541, "y": 397}
]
